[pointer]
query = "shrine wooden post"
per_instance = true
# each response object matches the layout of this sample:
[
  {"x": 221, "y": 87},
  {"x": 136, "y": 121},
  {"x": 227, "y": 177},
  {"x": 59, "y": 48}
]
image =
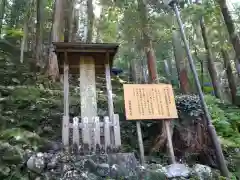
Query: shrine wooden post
[{"x": 88, "y": 61}]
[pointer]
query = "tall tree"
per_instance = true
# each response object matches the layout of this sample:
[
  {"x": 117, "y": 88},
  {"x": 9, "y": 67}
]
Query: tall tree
[
  {"x": 2, "y": 12},
  {"x": 68, "y": 19},
  {"x": 151, "y": 59},
  {"x": 53, "y": 70},
  {"x": 234, "y": 35},
  {"x": 210, "y": 61},
  {"x": 180, "y": 63},
  {"x": 75, "y": 25},
  {"x": 25, "y": 29},
  {"x": 90, "y": 17}
]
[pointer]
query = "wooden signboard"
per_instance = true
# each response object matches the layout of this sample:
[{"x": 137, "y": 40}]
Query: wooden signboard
[{"x": 149, "y": 101}]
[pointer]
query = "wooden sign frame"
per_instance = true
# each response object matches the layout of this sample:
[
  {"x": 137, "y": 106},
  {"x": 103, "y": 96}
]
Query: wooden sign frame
[{"x": 149, "y": 102}]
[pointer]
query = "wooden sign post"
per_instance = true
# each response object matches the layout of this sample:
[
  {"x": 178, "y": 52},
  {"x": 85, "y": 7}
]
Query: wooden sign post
[{"x": 151, "y": 102}]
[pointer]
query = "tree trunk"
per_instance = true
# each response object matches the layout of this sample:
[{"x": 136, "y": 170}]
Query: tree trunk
[
  {"x": 211, "y": 66},
  {"x": 75, "y": 25},
  {"x": 68, "y": 19},
  {"x": 2, "y": 13},
  {"x": 234, "y": 36},
  {"x": 90, "y": 17},
  {"x": 132, "y": 71},
  {"x": 24, "y": 44},
  {"x": 39, "y": 26},
  {"x": 230, "y": 77},
  {"x": 53, "y": 70},
  {"x": 152, "y": 66},
  {"x": 24, "y": 40},
  {"x": 161, "y": 139},
  {"x": 180, "y": 63}
]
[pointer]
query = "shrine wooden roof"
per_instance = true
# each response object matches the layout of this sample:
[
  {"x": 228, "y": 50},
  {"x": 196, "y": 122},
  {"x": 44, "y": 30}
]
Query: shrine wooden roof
[
  {"x": 83, "y": 47},
  {"x": 99, "y": 51}
]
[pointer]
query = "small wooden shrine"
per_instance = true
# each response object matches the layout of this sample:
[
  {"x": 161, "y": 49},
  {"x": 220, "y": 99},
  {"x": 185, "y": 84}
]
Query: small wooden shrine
[{"x": 88, "y": 60}]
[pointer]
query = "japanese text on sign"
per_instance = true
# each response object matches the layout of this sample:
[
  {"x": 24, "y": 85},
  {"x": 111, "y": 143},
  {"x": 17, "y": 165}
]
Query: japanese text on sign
[{"x": 149, "y": 101}]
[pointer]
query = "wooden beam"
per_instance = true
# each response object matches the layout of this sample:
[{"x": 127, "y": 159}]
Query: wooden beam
[
  {"x": 84, "y": 50},
  {"x": 65, "y": 124}
]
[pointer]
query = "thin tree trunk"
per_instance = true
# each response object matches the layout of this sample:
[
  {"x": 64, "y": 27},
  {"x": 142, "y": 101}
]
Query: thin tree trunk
[
  {"x": 39, "y": 26},
  {"x": 234, "y": 36},
  {"x": 180, "y": 63},
  {"x": 211, "y": 66},
  {"x": 24, "y": 44},
  {"x": 24, "y": 40},
  {"x": 90, "y": 17},
  {"x": 2, "y": 13},
  {"x": 132, "y": 71},
  {"x": 230, "y": 77}
]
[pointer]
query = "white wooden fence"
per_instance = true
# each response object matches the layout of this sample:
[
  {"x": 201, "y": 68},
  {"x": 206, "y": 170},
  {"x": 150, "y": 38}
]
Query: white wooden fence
[{"x": 93, "y": 134}]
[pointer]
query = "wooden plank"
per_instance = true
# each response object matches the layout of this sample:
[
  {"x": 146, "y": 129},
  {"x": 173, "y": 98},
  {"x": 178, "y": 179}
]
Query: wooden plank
[
  {"x": 85, "y": 133},
  {"x": 65, "y": 131},
  {"x": 107, "y": 141},
  {"x": 97, "y": 135},
  {"x": 65, "y": 128},
  {"x": 76, "y": 131},
  {"x": 116, "y": 129}
]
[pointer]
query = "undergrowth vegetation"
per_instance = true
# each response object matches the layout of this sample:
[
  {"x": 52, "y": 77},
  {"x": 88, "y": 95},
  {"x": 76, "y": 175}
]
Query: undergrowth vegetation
[{"x": 31, "y": 111}]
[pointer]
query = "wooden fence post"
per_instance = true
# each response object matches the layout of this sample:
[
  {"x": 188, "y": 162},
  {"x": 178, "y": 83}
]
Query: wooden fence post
[
  {"x": 97, "y": 135},
  {"x": 106, "y": 134},
  {"x": 76, "y": 131},
  {"x": 116, "y": 129},
  {"x": 65, "y": 124}
]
